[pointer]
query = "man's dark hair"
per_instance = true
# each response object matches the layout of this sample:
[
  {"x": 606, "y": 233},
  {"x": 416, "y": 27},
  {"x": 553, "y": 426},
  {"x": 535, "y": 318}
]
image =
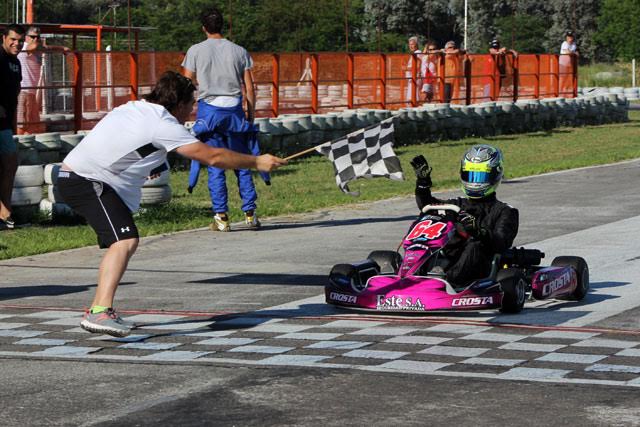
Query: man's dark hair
[
  {"x": 212, "y": 21},
  {"x": 16, "y": 28},
  {"x": 171, "y": 89}
]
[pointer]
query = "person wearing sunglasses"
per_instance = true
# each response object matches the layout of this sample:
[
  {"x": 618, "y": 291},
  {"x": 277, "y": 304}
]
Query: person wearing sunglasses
[
  {"x": 30, "y": 102},
  {"x": 488, "y": 226}
]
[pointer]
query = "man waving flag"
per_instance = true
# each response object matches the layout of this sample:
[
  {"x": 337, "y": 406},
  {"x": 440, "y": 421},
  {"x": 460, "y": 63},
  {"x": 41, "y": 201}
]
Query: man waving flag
[{"x": 365, "y": 153}]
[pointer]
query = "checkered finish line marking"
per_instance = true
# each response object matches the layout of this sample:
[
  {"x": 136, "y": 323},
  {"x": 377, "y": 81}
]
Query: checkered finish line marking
[{"x": 413, "y": 346}]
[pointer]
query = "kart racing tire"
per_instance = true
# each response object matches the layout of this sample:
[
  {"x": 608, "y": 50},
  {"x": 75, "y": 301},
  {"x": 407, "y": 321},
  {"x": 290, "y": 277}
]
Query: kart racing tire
[
  {"x": 514, "y": 286},
  {"x": 345, "y": 275},
  {"x": 581, "y": 268},
  {"x": 388, "y": 261}
]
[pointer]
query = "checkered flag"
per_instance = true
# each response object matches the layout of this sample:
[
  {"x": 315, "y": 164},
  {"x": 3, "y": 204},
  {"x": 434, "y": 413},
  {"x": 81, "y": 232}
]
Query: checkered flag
[{"x": 365, "y": 153}]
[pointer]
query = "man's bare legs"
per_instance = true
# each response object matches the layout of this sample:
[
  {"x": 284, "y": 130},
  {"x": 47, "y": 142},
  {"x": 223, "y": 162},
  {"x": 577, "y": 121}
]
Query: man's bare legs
[{"x": 112, "y": 268}]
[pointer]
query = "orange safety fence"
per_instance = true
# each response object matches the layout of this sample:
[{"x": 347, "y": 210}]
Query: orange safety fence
[{"x": 77, "y": 89}]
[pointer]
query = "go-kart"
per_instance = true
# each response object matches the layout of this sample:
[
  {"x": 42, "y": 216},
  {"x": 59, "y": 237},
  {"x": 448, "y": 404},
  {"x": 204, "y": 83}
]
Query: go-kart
[{"x": 416, "y": 281}]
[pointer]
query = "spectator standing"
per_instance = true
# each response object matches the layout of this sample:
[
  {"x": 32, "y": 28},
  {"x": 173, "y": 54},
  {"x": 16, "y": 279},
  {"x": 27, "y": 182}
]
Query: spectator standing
[
  {"x": 221, "y": 69},
  {"x": 30, "y": 101},
  {"x": 408, "y": 73},
  {"x": 503, "y": 60},
  {"x": 452, "y": 71},
  {"x": 568, "y": 53},
  {"x": 10, "y": 78},
  {"x": 102, "y": 177},
  {"x": 428, "y": 70}
]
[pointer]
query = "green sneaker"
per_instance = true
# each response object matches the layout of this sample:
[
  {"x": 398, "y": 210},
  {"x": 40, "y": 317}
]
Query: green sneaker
[{"x": 105, "y": 322}]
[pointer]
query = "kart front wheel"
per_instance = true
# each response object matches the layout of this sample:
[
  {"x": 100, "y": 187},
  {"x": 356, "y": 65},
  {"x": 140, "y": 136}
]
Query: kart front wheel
[
  {"x": 345, "y": 276},
  {"x": 388, "y": 261},
  {"x": 582, "y": 270},
  {"x": 514, "y": 288}
]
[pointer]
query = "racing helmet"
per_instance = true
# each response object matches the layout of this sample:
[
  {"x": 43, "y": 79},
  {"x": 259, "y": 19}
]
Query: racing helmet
[{"x": 481, "y": 171}]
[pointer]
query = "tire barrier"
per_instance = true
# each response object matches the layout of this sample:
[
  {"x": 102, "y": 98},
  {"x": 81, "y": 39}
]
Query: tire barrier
[
  {"x": 27, "y": 192},
  {"x": 156, "y": 195},
  {"x": 291, "y": 133}
]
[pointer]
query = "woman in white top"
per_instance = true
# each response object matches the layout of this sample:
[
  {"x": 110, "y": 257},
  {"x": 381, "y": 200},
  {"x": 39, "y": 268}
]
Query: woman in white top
[{"x": 567, "y": 50}]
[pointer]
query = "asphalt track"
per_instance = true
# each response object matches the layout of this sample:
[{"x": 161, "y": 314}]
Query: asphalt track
[{"x": 234, "y": 330}]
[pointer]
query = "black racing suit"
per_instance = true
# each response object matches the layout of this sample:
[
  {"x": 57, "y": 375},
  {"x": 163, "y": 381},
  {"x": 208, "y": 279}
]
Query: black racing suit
[{"x": 498, "y": 226}]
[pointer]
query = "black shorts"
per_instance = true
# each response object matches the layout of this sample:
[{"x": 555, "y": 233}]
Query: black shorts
[{"x": 99, "y": 204}]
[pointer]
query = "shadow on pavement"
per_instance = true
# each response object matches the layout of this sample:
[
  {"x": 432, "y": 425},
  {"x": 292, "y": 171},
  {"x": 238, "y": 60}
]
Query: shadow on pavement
[
  {"x": 267, "y": 279},
  {"x": 17, "y": 292}
]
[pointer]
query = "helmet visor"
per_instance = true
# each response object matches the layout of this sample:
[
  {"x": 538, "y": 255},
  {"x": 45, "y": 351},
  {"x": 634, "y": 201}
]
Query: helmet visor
[{"x": 478, "y": 173}]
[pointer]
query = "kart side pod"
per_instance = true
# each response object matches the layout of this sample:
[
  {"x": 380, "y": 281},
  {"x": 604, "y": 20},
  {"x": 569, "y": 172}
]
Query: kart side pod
[{"x": 355, "y": 275}]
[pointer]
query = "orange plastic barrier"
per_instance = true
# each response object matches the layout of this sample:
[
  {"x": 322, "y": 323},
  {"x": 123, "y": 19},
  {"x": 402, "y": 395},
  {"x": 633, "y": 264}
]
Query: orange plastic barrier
[{"x": 83, "y": 86}]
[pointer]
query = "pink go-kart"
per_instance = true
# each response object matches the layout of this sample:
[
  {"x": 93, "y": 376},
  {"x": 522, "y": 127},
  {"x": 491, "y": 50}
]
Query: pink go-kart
[{"x": 415, "y": 282}]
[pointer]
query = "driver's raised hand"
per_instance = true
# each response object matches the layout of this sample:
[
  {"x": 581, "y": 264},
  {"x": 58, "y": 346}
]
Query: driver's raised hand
[{"x": 422, "y": 170}]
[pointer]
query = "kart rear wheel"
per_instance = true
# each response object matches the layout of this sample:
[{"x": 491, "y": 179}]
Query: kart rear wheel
[
  {"x": 388, "y": 261},
  {"x": 345, "y": 276},
  {"x": 581, "y": 268},
  {"x": 514, "y": 287}
]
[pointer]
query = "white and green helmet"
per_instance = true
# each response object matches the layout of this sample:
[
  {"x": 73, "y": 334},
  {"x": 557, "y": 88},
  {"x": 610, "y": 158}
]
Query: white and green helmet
[{"x": 481, "y": 171}]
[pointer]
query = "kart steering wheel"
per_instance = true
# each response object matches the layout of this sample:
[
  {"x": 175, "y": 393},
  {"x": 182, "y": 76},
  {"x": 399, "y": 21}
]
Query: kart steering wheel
[{"x": 443, "y": 208}]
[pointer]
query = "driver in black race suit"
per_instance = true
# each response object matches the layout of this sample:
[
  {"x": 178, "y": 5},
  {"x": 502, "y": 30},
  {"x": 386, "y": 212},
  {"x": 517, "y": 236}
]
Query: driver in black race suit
[{"x": 490, "y": 224}]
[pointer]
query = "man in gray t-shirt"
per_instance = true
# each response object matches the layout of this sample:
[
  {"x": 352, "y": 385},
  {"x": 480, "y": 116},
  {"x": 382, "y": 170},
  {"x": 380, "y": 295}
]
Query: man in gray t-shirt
[{"x": 222, "y": 69}]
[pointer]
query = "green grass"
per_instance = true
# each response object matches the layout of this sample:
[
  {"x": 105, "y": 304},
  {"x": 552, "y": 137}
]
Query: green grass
[
  {"x": 621, "y": 75},
  {"x": 309, "y": 184}
]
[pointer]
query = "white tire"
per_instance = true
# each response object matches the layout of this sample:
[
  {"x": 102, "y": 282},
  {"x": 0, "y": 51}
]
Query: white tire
[
  {"x": 160, "y": 181},
  {"x": 56, "y": 210},
  {"x": 29, "y": 176},
  {"x": 155, "y": 195},
  {"x": 53, "y": 194},
  {"x": 51, "y": 173},
  {"x": 22, "y": 196}
]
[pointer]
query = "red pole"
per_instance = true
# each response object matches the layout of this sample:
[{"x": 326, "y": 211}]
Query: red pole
[
  {"x": 414, "y": 79},
  {"x": 314, "y": 83},
  {"x": 77, "y": 89},
  {"x": 275, "y": 81},
  {"x": 133, "y": 74},
  {"x": 350, "y": 74},
  {"x": 30, "y": 12},
  {"x": 536, "y": 92},
  {"x": 383, "y": 81}
]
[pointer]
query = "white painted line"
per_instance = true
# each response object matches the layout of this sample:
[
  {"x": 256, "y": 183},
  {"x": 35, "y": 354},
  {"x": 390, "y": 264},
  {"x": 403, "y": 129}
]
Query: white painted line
[
  {"x": 248, "y": 321},
  {"x": 315, "y": 336},
  {"x": 534, "y": 373},
  {"x": 20, "y": 334},
  {"x": 457, "y": 329},
  {"x": 523, "y": 346},
  {"x": 629, "y": 352},
  {"x": 417, "y": 339},
  {"x": 445, "y": 350},
  {"x": 411, "y": 366},
  {"x": 150, "y": 345},
  {"x": 497, "y": 337},
  {"x": 267, "y": 349},
  {"x": 376, "y": 354},
  {"x": 6, "y": 325},
  {"x": 607, "y": 343},
  {"x": 492, "y": 362},
  {"x": 602, "y": 367},
  {"x": 5, "y": 316},
  {"x": 154, "y": 318},
  {"x": 227, "y": 341},
  {"x": 179, "y": 326},
  {"x": 356, "y": 324},
  {"x": 175, "y": 356},
  {"x": 202, "y": 334},
  {"x": 54, "y": 314},
  {"x": 43, "y": 341},
  {"x": 66, "y": 351},
  {"x": 384, "y": 330},
  {"x": 569, "y": 335},
  {"x": 129, "y": 338},
  {"x": 279, "y": 328},
  {"x": 283, "y": 359},
  {"x": 339, "y": 345},
  {"x": 64, "y": 321},
  {"x": 571, "y": 358}
]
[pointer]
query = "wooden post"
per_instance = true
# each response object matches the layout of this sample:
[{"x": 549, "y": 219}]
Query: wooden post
[
  {"x": 441, "y": 76},
  {"x": 314, "y": 83},
  {"x": 536, "y": 90},
  {"x": 557, "y": 74},
  {"x": 466, "y": 65},
  {"x": 133, "y": 74},
  {"x": 516, "y": 77},
  {"x": 275, "y": 81}
]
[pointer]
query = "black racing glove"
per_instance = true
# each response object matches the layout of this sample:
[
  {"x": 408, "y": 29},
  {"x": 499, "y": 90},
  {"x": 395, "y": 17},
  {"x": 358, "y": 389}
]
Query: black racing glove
[
  {"x": 422, "y": 170},
  {"x": 469, "y": 223}
]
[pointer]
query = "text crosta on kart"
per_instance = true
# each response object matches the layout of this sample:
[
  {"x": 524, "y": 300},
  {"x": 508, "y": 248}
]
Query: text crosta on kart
[{"x": 389, "y": 282}]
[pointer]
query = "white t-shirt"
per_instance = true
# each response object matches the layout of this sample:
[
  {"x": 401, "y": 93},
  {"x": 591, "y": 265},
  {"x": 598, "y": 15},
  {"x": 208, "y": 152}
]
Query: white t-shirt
[
  {"x": 126, "y": 145},
  {"x": 566, "y": 48},
  {"x": 31, "y": 69}
]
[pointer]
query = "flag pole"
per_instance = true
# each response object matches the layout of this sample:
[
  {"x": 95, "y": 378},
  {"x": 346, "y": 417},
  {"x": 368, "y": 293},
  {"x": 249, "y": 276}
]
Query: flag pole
[{"x": 303, "y": 152}]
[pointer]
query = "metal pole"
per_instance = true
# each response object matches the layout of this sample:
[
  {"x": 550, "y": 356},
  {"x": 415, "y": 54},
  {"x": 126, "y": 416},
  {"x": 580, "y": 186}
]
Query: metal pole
[
  {"x": 466, "y": 4},
  {"x": 633, "y": 72}
]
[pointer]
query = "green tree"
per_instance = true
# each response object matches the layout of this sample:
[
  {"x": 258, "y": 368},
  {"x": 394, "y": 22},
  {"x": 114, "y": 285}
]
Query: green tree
[{"x": 619, "y": 29}]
